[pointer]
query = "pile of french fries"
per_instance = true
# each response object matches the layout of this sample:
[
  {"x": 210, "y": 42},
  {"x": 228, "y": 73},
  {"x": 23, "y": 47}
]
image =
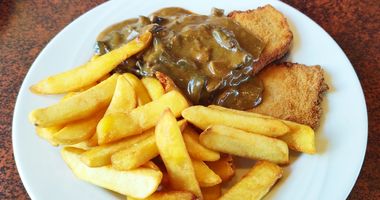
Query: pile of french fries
[{"x": 144, "y": 140}]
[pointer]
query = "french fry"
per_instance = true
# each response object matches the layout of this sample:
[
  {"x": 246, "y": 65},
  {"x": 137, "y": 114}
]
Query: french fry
[
  {"x": 119, "y": 125},
  {"x": 101, "y": 155},
  {"x": 136, "y": 155},
  {"x": 211, "y": 193},
  {"x": 197, "y": 150},
  {"x": 48, "y": 132},
  {"x": 154, "y": 87},
  {"x": 151, "y": 165},
  {"x": 224, "y": 167},
  {"x": 256, "y": 184},
  {"x": 78, "y": 131},
  {"x": 124, "y": 97},
  {"x": 93, "y": 141},
  {"x": 142, "y": 93},
  {"x": 299, "y": 138},
  {"x": 203, "y": 117},
  {"x": 81, "y": 145},
  {"x": 123, "y": 100},
  {"x": 138, "y": 183},
  {"x": 173, "y": 152},
  {"x": 249, "y": 145},
  {"x": 205, "y": 176},
  {"x": 169, "y": 195},
  {"x": 68, "y": 95},
  {"x": 92, "y": 71},
  {"x": 77, "y": 107}
]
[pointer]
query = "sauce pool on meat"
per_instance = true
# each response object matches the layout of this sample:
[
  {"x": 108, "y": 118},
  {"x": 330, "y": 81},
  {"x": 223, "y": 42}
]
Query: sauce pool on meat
[{"x": 210, "y": 58}]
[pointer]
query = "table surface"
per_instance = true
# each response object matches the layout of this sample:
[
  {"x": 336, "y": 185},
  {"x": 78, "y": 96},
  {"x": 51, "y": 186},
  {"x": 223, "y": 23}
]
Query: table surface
[{"x": 27, "y": 26}]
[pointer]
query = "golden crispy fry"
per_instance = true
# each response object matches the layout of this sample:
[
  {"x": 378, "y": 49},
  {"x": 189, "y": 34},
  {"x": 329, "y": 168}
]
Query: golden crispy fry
[
  {"x": 81, "y": 145},
  {"x": 95, "y": 56},
  {"x": 139, "y": 183},
  {"x": 92, "y": 71},
  {"x": 174, "y": 154},
  {"x": 249, "y": 145},
  {"x": 151, "y": 165},
  {"x": 197, "y": 150},
  {"x": 182, "y": 124},
  {"x": 136, "y": 155},
  {"x": 169, "y": 195},
  {"x": 101, "y": 155},
  {"x": 154, "y": 87},
  {"x": 68, "y": 95},
  {"x": 142, "y": 94},
  {"x": 78, "y": 131},
  {"x": 212, "y": 193},
  {"x": 123, "y": 100},
  {"x": 203, "y": 117},
  {"x": 256, "y": 183},
  {"x": 224, "y": 167},
  {"x": 93, "y": 141},
  {"x": 76, "y": 107},
  {"x": 299, "y": 138},
  {"x": 48, "y": 132},
  {"x": 205, "y": 176},
  {"x": 119, "y": 125},
  {"x": 124, "y": 97}
]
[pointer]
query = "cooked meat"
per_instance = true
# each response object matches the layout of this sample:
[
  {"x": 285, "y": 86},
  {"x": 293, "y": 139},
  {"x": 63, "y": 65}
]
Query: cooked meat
[
  {"x": 293, "y": 92},
  {"x": 269, "y": 25}
]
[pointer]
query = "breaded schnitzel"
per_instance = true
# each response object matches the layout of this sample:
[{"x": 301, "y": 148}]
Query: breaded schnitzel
[{"x": 293, "y": 92}]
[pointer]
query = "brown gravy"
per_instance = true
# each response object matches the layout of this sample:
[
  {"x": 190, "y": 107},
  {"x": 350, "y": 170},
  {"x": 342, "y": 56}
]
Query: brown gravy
[{"x": 210, "y": 58}]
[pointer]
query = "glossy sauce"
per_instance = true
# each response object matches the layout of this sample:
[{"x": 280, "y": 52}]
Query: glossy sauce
[{"x": 210, "y": 58}]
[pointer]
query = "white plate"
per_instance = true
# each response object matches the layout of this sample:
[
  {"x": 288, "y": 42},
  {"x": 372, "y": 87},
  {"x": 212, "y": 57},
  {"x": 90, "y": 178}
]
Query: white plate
[{"x": 341, "y": 139}]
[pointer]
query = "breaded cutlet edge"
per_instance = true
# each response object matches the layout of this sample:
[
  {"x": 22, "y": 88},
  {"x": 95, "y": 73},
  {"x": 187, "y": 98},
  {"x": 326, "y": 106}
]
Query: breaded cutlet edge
[
  {"x": 313, "y": 120},
  {"x": 286, "y": 34}
]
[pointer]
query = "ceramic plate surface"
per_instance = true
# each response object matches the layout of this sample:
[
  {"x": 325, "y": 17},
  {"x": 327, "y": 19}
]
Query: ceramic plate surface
[{"x": 341, "y": 138}]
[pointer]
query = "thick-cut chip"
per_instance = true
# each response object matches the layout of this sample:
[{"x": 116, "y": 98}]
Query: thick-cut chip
[
  {"x": 212, "y": 193},
  {"x": 119, "y": 125},
  {"x": 224, "y": 167},
  {"x": 92, "y": 71},
  {"x": 205, "y": 176},
  {"x": 151, "y": 165},
  {"x": 299, "y": 138},
  {"x": 48, "y": 133},
  {"x": 197, "y": 150},
  {"x": 78, "y": 131},
  {"x": 204, "y": 117},
  {"x": 101, "y": 155},
  {"x": 138, "y": 183},
  {"x": 124, "y": 97},
  {"x": 142, "y": 94},
  {"x": 136, "y": 155},
  {"x": 93, "y": 141},
  {"x": 169, "y": 195},
  {"x": 174, "y": 154},
  {"x": 249, "y": 145},
  {"x": 256, "y": 184},
  {"x": 76, "y": 107},
  {"x": 154, "y": 87},
  {"x": 81, "y": 145},
  {"x": 123, "y": 100}
]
